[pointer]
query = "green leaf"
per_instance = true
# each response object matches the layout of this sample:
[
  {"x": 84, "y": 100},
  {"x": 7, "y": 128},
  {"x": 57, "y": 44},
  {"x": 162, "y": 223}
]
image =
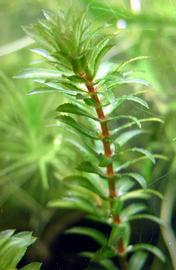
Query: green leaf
[
  {"x": 117, "y": 206},
  {"x": 137, "y": 261},
  {"x": 155, "y": 193},
  {"x": 45, "y": 54},
  {"x": 74, "y": 109},
  {"x": 49, "y": 16},
  {"x": 63, "y": 86},
  {"x": 137, "y": 194},
  {"x": 124, "y": 185},
  {"x": 103, "y": 253},
  {"x": 125, "y": 117},
  {"x": 42, "y": 91},
  {"x": 145, "y": 152},
  {"x": 87, "y": 166},
  {"x": 132, "y": 210},
  {"x": 87, "y": 254},
  {"x": 73, "y": 203},
  {"x": 141, "y": 194},
  {"x": 97, "y": 53},
  {"x": 43, "y": 173},
  {"x": 93, "y": 233},
  {"x": 76, "y": 79},
  {"x": 49, "y": 87},
  {"x": 122, "y": 65},
  {"x": 148, "y": 217},
  {"x": 131, "y": 162},
  {"x": 108, "y": 264},
  {"x": 97, "y": 186},
  {"x": 115, "y": 82},
  {"x": 152, "y": 119},
  {"x": 73, "y": 124},
  {"x": 120, "y": 231},
  {"x": 136, "y": 80},
  {"x": 32, "y": 266},
  {"x": 144, "y": 120},
  {"x": 150, "y": 248},
  {"x": 128, "y": 135},
  {"x": 13, "y": 248},
  {"x": 119, "y": 101},
  {"x": 80, "y": 27},
  {"x": 38, "y": 73},
  {"x": 104, "y": 161},
  {"x": 139, "y": 178}
]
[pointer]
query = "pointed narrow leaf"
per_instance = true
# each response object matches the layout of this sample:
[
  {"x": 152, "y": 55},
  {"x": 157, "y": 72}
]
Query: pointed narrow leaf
[
  {"x": 150, "y": 248},
  {"x": 128, "y": 135},
  {"x": 93, "y": 233},
  {"x": 35, "y": 73},
  {"x": 148, "y": 217},
  {"x": 87, "y": 166},
  {"x": 133, "y": 209},
  {"x": 97, "y": 186},
  {"x": 128, "y": 125},
  {"x": 122, "y": 65},
  {"x": 131, "y": 162},
  {"x": 141, "y": 194},
  {"x": 44, "y": 53},
  {"x": 139, "y": 178},
  {"x": 117, "y": 206},
  {"x": 74, "y": 109},
  {"x": 97, "y": 53},
  {"x": 145, "y": 152},
  {"x": 155, "y": 193},
  {"x": 108, "y": 264},
  {"x": 137, "y": 194},
  {"x": 119, "y": 101},
  {"x": 72, "y": 203},
  {"x": 133, "y": 80},
  {"x": 120, "y": 231},
  {"x": 104, "y": 161},
  {"x": 137, "y": 261},
  {"x": 73, "y": 124},
  {"x": 125, "y": 117}
]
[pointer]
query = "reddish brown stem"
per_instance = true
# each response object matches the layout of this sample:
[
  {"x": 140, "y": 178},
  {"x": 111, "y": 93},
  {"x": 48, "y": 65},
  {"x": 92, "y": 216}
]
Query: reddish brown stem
[
  {"x": 105, "y": 136},
  {"x": 109, "y": 169}
]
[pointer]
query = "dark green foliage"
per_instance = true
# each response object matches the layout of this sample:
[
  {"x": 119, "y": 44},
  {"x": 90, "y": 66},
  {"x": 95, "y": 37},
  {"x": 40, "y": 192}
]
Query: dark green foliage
[{"x": 75, "y": 52}]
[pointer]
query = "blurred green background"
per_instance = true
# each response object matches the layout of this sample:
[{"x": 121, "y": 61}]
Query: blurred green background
[{"x": 32, "y": 152}]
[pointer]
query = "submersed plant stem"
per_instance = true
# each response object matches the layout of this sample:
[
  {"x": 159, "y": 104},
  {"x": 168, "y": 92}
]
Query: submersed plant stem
[{"x": 109, "y": 169}]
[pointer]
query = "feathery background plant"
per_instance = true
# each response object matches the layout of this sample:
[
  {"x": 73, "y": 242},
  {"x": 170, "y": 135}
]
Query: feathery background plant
[{"x": 104, "y": 185}]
